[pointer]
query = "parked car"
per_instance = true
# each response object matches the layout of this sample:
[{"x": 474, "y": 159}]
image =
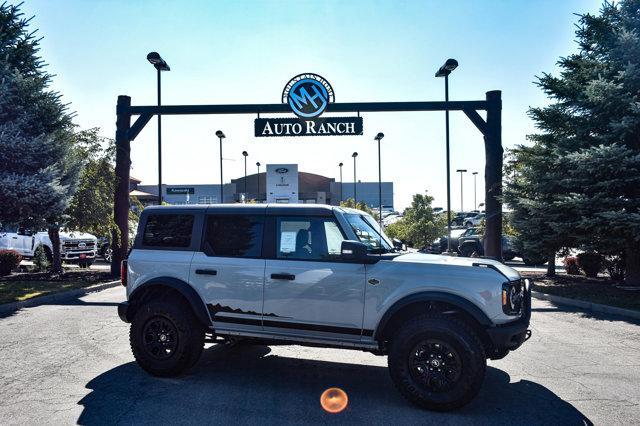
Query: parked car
[
  {"x": 440, "y": 244},
  {"x": 460, "y": 218},
  {"x": 471, "y": 243},
  {"x": 320, "y": 276},
  {"x": 473, "y": 220},
  {"x": 75, "y": 247}
]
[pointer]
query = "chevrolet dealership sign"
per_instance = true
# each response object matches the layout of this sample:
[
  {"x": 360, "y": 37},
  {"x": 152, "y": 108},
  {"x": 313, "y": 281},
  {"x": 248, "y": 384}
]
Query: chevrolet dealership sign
[{"x": 308, "y": 95}]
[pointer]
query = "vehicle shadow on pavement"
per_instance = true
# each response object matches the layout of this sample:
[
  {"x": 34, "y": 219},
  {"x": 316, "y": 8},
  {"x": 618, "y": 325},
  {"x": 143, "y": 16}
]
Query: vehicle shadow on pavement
[{"x": 247, "y": 385}]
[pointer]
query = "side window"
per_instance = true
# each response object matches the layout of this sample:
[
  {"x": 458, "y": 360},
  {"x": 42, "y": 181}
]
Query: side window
[
  {"x": 168, "y": 230},
  {"x": 308, "y": 238},
  {"x": 233, "y": 236}
]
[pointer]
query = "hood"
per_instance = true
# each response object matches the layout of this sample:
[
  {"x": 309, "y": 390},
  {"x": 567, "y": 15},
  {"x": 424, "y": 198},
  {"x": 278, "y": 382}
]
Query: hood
[
  {"x": 436, "y": 259},
  {"x": 75, "y": 235}
]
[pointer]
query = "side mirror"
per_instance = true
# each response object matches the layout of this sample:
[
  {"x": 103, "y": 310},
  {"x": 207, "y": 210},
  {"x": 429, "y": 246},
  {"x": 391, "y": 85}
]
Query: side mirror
[
  {"x": 354, "y": 251},
  {"x": 399, "y": 245}
]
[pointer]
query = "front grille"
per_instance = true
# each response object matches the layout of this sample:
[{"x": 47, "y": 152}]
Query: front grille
[{"x": 79, "y": 245}]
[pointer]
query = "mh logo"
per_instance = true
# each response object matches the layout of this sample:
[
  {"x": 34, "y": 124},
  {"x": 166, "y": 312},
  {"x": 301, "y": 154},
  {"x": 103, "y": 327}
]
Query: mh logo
[{"x": 308, "y": 95}]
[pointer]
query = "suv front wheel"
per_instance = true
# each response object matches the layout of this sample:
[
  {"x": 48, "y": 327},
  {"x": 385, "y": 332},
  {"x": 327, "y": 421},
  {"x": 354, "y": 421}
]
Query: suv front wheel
[
  {"x": 166, "y": 338},
  {"x": 436, "y": 362}
]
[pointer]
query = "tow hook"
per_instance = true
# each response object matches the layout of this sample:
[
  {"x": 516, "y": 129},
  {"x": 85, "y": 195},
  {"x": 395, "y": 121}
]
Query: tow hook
[{"x": 527, "y": 335}]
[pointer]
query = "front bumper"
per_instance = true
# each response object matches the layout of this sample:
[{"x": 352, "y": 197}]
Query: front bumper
[
  {"x": 513, "y": 334},
  {"x": 123, "y": 308},
  {"x": 77, "y": 256}
]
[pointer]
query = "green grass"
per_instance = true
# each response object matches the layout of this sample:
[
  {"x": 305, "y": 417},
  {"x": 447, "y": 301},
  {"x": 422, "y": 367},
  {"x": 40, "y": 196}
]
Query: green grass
[
  {"x": 594, "y": 290},
  {"x": 24, "y": 286}
]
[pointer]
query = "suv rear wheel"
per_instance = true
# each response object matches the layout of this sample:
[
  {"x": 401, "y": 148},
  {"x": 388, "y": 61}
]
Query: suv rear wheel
[
  {"x": 166, "y": 338},
  {"x": 436, "y": 362}
]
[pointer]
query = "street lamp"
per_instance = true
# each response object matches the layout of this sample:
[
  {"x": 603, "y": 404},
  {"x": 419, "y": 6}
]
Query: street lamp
[
  {"x": 475, "y": 201},
  {"x": 258, "y": 191},
  {"x": 160, "y": 65},
  {"x": 444, "y": 71},
  {"x": 340, "y": 165},
  {"x": 355, "y": 196},
  {"x": 245, "y": 154},
  {"x": 461, "y": 171},
  {"x": 221, "y": 136},
  {"x": 378, "y": 138}
]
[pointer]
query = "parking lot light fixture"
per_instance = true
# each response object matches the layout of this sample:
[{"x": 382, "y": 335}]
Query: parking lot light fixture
[
  {"x": 475, "y": 201},
  {"x": 258, "y": 190},
  {"x": 355, "y": 196},
  {"x": 221, "y": 136},
  {"x": 444, "y": 71},
  {"x": 340, "y": 165},
  {"x": 160, "y": 65},
  {"x": 378, "y": 138},
  {"x": 461, "y": 171},
  {"x": 245, "y": 154}
]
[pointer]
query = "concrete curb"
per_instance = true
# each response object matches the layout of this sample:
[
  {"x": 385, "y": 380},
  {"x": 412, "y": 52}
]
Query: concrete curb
[
  {"x": 63, "y": 295},
  {"x": 588, "y": 306}
]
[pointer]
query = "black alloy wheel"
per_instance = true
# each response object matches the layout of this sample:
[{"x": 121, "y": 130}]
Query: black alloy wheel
[
  {"x": 160, "y": 338},
  {"x": 435, "y": 365}
]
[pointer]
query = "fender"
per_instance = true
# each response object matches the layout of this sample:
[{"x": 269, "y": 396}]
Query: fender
[
  {"x": 434, "y": 296},
  {"x": 189, "y": 293}
]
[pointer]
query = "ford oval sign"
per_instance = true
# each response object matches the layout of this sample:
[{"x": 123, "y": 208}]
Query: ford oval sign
[
  {"x": 282, "y": 170},
  {"x": 308, "y": 95}
]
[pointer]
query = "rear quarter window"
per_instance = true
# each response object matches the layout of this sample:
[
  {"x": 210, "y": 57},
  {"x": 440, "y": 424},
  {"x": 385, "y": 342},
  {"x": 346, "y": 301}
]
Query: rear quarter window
[{"x": 168, "y": 230}]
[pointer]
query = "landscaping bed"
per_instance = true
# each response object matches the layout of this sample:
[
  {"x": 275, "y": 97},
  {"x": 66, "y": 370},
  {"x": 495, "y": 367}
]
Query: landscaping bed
[
  {"x": 595, "y": 290},
  {"x": 23, "y": 286}
]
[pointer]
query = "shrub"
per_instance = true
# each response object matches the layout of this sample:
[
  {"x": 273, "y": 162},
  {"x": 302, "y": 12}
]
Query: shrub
[
  {"x": 571, "y": 265},
  {"x": 40, "y": 260},
  {"x": 590, "y": 263},
  {"x": 9, "y": 260},
  {"x": 615, "y": 266}
]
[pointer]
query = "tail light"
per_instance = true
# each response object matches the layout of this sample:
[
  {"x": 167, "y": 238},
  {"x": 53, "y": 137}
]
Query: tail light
[{"x": 123, "y": 273}]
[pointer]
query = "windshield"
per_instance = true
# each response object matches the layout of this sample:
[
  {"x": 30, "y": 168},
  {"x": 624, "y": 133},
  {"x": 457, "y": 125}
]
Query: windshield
[{"x": 368, "y": 232}]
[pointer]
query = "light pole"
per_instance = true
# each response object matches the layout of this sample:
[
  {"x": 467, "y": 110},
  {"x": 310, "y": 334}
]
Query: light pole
[
  {"x": 245, "y": 155},
  {"x": 475, "y": 201},
  {"x": 461, "y": 171},
  {"x": 258, "y": 191},
  {"x": 221, "y": 136},
  {"x": 355, "y": 196},
  {"x": 340, "y": 165},
  {"x": 444, "y": 71},
  {"x": 378, "y": 138},
  {"x": 160, "y": 65}
]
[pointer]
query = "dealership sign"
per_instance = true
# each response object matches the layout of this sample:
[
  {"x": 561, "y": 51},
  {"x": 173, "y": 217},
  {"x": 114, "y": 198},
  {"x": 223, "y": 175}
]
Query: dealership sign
[
  {"x": 308, "y": 96},
  {"x": 177, "y": 191}
]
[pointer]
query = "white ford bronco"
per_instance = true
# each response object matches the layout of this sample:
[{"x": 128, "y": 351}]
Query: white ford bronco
[
  {"x": 321, "y": 276},
  {"x": 75, "y": 247}
]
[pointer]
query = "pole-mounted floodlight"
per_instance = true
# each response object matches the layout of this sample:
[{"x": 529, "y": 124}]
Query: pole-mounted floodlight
[
  {"x": 157, "y": 61},
  {"x": 378, "y": 138},
  {"x": 340, "y": 165},
  {"x": 258, "y": 190},
  {"x": 461, "y": 171},
  {"x": 444, "y": 71},
  {"x": 355, "y": 195},
  {"x": 245, "y": 154},
  {"x": 160, "y": 65},
  {"x": 221, "y": 136}
]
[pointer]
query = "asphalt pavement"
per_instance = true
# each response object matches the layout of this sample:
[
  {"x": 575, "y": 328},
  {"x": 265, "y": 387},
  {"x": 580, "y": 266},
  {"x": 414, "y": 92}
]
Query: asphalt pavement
[{"x": 70, "y": 362}]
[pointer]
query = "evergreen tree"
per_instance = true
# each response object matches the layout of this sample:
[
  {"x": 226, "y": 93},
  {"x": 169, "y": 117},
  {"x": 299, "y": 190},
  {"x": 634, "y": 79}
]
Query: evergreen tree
[
  {"x": 590, "y": 142},
  {"x": 420, "y": 225},
  {"x": 39, "y": 166}
]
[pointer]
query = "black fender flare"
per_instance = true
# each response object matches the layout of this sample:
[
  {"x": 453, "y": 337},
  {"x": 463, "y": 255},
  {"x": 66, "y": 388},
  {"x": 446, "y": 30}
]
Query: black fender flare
[
  {"x": 434, "y": 296},
  {"x": 187, "y": 291}
]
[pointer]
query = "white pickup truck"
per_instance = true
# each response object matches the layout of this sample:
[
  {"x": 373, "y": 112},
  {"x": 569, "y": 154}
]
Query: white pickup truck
[{"x": 75, "y": 247}]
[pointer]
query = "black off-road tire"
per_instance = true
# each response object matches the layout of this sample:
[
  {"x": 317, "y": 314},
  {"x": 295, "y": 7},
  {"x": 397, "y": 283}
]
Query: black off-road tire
[
  {"x": 467, "y": 250},
  {"x": 184, "y": 333},
  {"x": 469, "y": 352}
]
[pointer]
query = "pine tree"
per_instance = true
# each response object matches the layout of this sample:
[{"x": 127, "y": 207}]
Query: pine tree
[
  {"x": 590, "y": 142},
  {"x": 39, "y": 165}
]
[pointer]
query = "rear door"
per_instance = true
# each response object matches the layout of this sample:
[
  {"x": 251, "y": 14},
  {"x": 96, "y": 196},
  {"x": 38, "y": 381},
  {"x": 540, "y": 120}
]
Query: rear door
[
  {"x": 228, "y": 270},
  {"x": 309, "y": 291}
]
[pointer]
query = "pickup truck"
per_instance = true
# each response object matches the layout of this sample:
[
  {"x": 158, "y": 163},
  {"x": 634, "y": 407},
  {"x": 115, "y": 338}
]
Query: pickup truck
[
  {"x": 75, "y": 247},
  {"x": 320, "y": 276}
]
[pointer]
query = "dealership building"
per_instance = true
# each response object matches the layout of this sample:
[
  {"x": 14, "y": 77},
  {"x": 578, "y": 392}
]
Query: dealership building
[{"x": 281, "y": 183}]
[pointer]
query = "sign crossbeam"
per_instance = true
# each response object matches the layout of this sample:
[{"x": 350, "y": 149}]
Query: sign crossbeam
[{"x": 284, "y": 108}]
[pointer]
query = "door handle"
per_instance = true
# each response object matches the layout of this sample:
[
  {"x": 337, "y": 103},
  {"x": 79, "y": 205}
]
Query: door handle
[
  {"x": 206, "y": 272},
  {"x": 289, "y": 277},
  {"x": 15, "y": 238}
]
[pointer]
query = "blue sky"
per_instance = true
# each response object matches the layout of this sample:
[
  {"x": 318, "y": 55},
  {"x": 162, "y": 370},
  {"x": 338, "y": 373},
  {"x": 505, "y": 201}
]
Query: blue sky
[{"x": 246, "y": 51}]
